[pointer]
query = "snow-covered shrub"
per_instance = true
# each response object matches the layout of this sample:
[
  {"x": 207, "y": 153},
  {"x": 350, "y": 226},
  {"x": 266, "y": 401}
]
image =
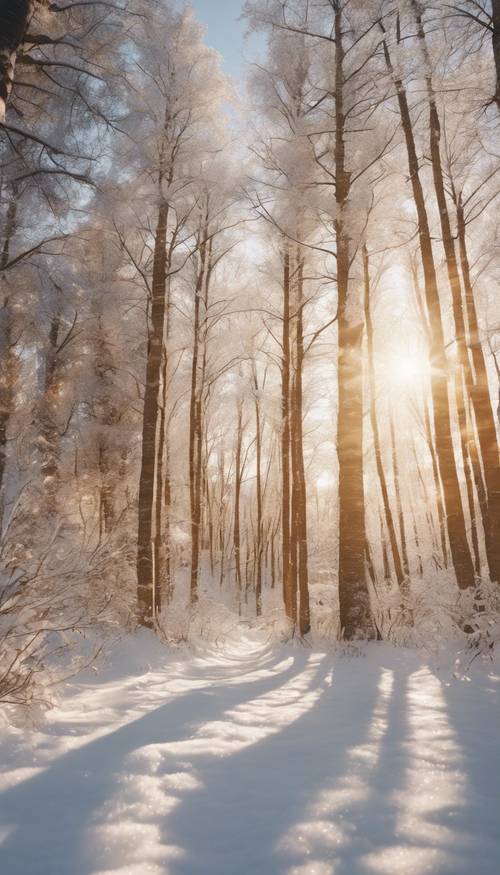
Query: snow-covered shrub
[{"x": 56, "y": 589}]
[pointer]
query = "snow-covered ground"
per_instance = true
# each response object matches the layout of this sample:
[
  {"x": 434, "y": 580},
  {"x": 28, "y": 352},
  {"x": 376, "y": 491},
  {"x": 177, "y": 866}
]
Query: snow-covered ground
[{"x": 255, "y": 761}]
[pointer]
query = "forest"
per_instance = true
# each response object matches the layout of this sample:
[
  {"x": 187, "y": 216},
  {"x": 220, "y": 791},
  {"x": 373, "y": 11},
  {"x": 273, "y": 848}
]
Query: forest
[{"x": 249, "y": 407}]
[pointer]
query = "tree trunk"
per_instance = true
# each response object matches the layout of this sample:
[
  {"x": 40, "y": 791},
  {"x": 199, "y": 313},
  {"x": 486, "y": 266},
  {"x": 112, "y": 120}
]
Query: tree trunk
[
  {"x": 389, "y": 519},
  {"x": 457, "y": 533},
  {"x": 483, "y": 409},
  {"x": 195, "y": 410},
  {"x": 495, "y": 42},
  {"x": 8, "y": 359},
  {"x": 397, "y": 493},
  {"x": 145, "y": 560},
  {"x": 297, "y": 455},
  {"x": 355, "y": 612},
  {"x": 259, "y": 533},
  {"x": 237, "y": 497},
  {"x": 15, "y": 16},
  {"x": 490, "y": 462},
  {"x": 158, "y": 547},
  {"x": 48, "y": 421},
  {"x": 289, "y": 593}
]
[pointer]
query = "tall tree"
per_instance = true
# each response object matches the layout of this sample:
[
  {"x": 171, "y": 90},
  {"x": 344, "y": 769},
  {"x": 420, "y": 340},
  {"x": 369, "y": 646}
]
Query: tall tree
[{"x": 456, "y": 525}]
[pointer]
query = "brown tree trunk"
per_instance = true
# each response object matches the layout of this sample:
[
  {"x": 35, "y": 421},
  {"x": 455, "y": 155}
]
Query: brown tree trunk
[
  {"x": 258, "y": 469},
  {"x": 8, "y": 359},
  {"x": 198, "y": 367},
  {"x": 397, "y": 493},
  {"x": 483, "y": 409},
  {"x": 48, "y": 419},
  {"x": 145, "y": 559},
  {"x": 457, "y": 533},
  {"x": 490, "y": 464},
  {"x": 289, "y": 593},
  {"x": 158, "y": 546},
  {"x": 355, "y": 612},
  {"x": 389, "y": 520},
  {"x": 421, "y": 306},
  {"x": 300, "y": 544},
  {"x": 238, "y": 476},
  {"x": 385, "y": 553}
]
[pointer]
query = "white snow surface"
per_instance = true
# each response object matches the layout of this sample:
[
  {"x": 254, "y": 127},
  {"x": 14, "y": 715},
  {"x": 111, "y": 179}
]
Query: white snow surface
[{"x": 253, "y": 759}]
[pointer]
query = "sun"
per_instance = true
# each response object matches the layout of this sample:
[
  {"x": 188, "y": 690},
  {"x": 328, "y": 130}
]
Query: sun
[{"x": 407, "y": 368}]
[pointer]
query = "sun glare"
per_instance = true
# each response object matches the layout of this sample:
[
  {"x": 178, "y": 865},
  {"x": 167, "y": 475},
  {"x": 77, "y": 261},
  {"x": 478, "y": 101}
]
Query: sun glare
[{"x": 406, "y": 369}]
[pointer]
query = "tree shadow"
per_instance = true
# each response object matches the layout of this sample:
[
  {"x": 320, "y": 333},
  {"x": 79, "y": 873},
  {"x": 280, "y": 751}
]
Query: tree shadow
[
  {"x": 418, "y": 813},
  {"x": 473, "y": 709},
  {"x": 46, "y": 817},
  {"x": 249, "y": 801}
]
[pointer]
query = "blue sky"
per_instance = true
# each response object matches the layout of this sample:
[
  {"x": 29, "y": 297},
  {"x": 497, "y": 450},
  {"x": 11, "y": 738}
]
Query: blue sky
[{"x": 224, "y": 32}]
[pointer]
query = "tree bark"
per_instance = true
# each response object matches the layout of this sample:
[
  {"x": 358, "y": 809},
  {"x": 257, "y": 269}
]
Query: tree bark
[
  {"x": 355, "y": 612},
  {"x": 258, "y": 468},
  {"x": 15, "y": 16},
  {"x": 300, "y": 544},
  {"x": 483, "y": 408},
  {"x": 399, "y": 504},
  {"x": 485, "y": 424},
  {"x": 145, "y": 559},
  {"x": 238, "y": 476},
  {"x": 8, "y": 359},
  {"x": 289, "y": 592},
  {"x": 196, "y": 407},
  {"x": 389, "y": 519},
  {"x": 457, "y": 533}
]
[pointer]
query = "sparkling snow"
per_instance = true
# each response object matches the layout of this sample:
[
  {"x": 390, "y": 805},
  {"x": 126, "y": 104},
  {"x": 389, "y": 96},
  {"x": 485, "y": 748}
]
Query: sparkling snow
[{"x": 257, "y": 760}]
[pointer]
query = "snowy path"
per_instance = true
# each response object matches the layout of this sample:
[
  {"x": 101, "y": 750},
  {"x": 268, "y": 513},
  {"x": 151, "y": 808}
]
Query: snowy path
[{"x": 258, "y": 761}]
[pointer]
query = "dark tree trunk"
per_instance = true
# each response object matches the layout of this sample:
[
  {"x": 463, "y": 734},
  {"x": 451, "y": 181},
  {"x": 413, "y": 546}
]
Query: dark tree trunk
[
  {"x": 145, "y": 560},
  {"x": 48, "y": 419},
  {"x": 8, "y": 359},
  {"x": 15, "y": 16}
]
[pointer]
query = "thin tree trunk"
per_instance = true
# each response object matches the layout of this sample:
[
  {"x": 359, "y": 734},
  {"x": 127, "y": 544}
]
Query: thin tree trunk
[
  {"x": 398, "y": 565},
  {"x": 297, "y": 454},
  {"x": 258, "y": 467},
  {"x": 159, "y": 569},
  {"x": 483, "y": 409},
  {"x": 237, "y": 497},
  {"x": 48, "y": 418},
  {"x": 495, "y": 42},
  {"x": 289, "y": 595},
  {"x": 385, "y": 553},
  {"x": 397, "y": 493},
  {"x": 195, "y": 436},
  {"x": 8, "y": 359},
  {"x": 145, "y": 559}
]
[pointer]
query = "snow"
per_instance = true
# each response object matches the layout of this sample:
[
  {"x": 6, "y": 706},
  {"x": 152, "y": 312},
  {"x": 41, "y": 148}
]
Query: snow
[{"x": 253, "y": 759}]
